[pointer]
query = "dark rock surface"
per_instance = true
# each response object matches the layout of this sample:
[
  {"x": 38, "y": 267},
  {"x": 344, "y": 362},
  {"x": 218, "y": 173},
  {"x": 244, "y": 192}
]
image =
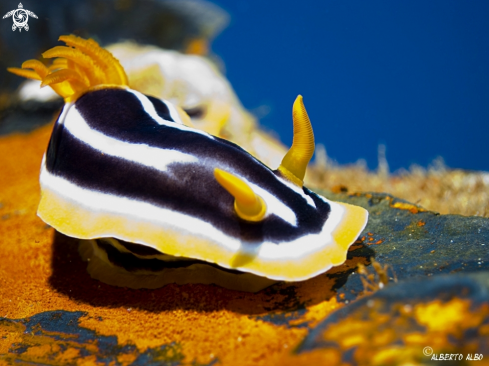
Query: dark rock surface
[
  {"x": 26, "y": 117},
  {"x": 60, "y": 329},
  {"x": 442, "y": 315},
  {"x": 414, "y": 242}
]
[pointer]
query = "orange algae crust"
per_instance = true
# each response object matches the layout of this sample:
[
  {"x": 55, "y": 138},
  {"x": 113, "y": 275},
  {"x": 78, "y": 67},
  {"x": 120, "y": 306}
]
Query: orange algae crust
[
  {"x": 408, "y": 206},
  {"x": 401, "y": 205},
  {"x": 52, "y": 312},
  {"x": 370, "y": 336}
]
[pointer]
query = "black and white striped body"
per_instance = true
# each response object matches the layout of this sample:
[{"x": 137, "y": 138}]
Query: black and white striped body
[{"x": 123, "y": 165}]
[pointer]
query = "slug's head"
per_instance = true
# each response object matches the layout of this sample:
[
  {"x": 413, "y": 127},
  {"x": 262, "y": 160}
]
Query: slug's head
[
  {"x": 78, "y": 67},
  {"x": 248, "y": 205}
]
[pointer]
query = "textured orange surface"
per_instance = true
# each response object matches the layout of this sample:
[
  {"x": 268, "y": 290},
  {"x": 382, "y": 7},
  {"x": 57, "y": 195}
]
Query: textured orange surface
[
  {"x": 397, "y": 337},
  {"x": 42, "y": 271}
]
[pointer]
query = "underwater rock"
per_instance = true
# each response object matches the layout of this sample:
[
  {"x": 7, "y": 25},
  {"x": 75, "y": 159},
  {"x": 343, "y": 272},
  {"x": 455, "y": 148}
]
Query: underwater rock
[
  {"x": 27, "y": 116},
  {"x": 411, "y": 322},
  {"x": 439, "y": 306},
  {"x": 68, "y": 341},
  {"x": 414, "y": 242}
]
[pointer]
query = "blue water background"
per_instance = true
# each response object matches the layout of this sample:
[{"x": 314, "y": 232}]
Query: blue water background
[{"x": 413, "y": 75}]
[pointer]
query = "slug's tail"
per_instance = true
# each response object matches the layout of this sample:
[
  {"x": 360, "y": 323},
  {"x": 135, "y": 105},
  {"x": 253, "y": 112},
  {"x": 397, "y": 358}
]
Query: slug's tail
[{"x": 80, "y": 65}]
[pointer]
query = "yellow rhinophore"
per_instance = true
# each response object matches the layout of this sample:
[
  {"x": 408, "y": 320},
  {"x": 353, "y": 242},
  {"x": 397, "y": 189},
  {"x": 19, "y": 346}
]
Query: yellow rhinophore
[
  {"x": 294, "y": 163},
  {"x": 248, "y": 205}
]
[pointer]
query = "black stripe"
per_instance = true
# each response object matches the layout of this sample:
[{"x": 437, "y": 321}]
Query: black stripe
[
  {"x": 131, "y": 263},
  {"x": 138, "y": 249},
  {"x": 53, "y": 146},
  {"x": 161, "y": 108}
]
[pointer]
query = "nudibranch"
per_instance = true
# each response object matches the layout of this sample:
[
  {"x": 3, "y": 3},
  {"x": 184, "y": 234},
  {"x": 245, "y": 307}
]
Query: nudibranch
[{"x": 155, "y": 199}]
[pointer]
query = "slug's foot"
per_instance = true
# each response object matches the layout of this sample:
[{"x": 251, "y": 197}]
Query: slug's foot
[{"x": 110, "y": 261}]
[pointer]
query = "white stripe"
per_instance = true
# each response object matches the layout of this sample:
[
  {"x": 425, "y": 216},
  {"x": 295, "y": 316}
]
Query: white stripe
[
  {"x": 297, "y": 190},
  {"x": 143, "y": 154},
  {"x": 150, "y": 109},
  {"x": 274, "y": 205}
]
